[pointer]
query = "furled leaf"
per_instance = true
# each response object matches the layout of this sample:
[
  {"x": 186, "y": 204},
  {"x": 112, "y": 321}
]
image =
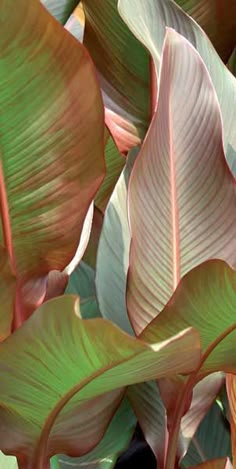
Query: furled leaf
[
  {"x": 60, "y": 9},
  {"x": 218, "y": 21},
  {"x": 82, "y": 283},
  {"x": 182, "y": 196},
  {"x": 113, "y": 254},
  {"x": 51, "y": 137},
  {"x": 206, "y": 300},
  {"x": 211, "y": 441},
  {"x": 62, "y": 362},
  {"x": 148, "y": 21},
  {"x": 114, "y": 442},
  {"x": 114, "y": 165},
  {"x": 231, "y": 391},
  {"x": 7, "y": 293},
  {"x": 123, "y": 67},
  {"x": 150, "y": 411},
  {"x": 222, "y": 463}
]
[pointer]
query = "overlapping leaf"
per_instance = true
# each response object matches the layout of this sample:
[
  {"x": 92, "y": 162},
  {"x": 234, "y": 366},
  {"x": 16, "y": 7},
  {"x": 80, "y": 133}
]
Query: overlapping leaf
[
  {"x": 148, "y": 21},
  {"x": 113, "y": 254},
  {"x": 221, "y": 463},
  {"x": 231, "y": 391},
  {"x": 123, "y": 66},
  {"x": 205, "y": 300},
  {"x": 51, "y": 136},
  {"x": 7, "y": 294},
  {"x": 218, "y": 21},
  {"x": 101, "y": 358},
  {"x": 182, "y": 196},
  {"x": 60, "y": 9}
]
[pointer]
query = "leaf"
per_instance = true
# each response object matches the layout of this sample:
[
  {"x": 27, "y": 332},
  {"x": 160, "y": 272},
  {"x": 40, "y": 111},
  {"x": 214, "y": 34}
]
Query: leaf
[
  {"x": 205, "y": 300},
  {"x": 8, "y": 462},
  {"x": 151, "y": 415},
  {"x": 218, "y": 22},
  {"x": 204, "y": 395},
  {"x": 123, "y": 68},
  {"x": 47, "y": 146},
  {"x": 114, "y": 165},
  {"x": 223, "y": 463},
  {"x": 180, "y": 185},
  {"x": 211, "y": 441},
  {"x": 231, "y": 391},
  {"x": 82, "y": 283},
  {"x": 232, "y": 63},
  {"x": 63, "y": 371},
  {"x": 7, "y": 293},
  {"x": 113, "y": 254},
  {"x": 60, "y": 9},
  {"x": 149, "y": 23},
  {"x": 114, "y": 442}
]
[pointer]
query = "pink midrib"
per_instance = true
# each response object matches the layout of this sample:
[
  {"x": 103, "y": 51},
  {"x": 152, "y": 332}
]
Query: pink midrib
[
  {"x": 6, "y": 225},
  {"x": 174, "y": 209}
]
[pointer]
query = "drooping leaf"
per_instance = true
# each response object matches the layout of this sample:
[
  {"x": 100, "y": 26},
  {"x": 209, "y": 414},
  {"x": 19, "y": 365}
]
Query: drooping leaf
[
  {"x": 182, "y": 196},
  {"x": 82, "y": 283},
  {"x": 149, "y": 22},
  {"x": 218, "y": 21},
  {"x": 206, "y": 300},
  {"x": 7, "y": 294},
  {"x": 113, "y": 254},
  {"x": 60, "y": 9},
  {"x": 231, "y": 391},
  {"x": 114, "y": 165},
  {"x": 51, "y": 136},
  {"x": 114, "y": 442},
  {"x": 66, "y": 365},
  {"x": 211, "y": 441},
  {"x": 123, "y": 67},
  {"x": 151, "y": 414}
]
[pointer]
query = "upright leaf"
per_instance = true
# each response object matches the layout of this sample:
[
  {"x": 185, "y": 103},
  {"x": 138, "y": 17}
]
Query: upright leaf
[
  {"x": 63, "y": 371},
  {"x": 51, "y": 136},
  {"x": 182, "y": 196},
  {"x": 149, "y": 26},
  {"x": 123, "y": 66},
  {"x": 218, "y": 21}
]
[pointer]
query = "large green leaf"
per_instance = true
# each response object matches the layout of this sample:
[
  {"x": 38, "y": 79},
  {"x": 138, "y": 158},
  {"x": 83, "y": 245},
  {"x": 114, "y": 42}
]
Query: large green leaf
[
  {"x": 113, "y": 254},
  {"x": 123, "y": 66},
  {"x": 51, "y": 136},
  {"x": 114, "y": 442},
  {"x": 182, "y": 196},
  {"x": 148, "y": 21},
  {"x": 8, "y": 462},
  {"x": 217, "y": 19},
  {"x": 211, "y": 441},
  {"x": 60, "y": 9},
  {"x": 52, "y": 390},
  {"x": 220, "y": 463},
  {"x": 206, "y": 300}
]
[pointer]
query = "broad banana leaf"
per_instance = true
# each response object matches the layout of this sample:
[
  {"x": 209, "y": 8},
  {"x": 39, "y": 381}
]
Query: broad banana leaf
[
  {"x": 182, "y": 195},
  {"x": 52, "y": 133},
  {"x": 75, "y": 402}
]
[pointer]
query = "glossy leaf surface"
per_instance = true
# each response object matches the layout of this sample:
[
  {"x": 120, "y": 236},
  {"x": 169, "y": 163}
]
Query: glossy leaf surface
[
  {"x": 63, "y": 393},
  {"x": 182, "y": 196},
  {"x": 149, "y": 25}
]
